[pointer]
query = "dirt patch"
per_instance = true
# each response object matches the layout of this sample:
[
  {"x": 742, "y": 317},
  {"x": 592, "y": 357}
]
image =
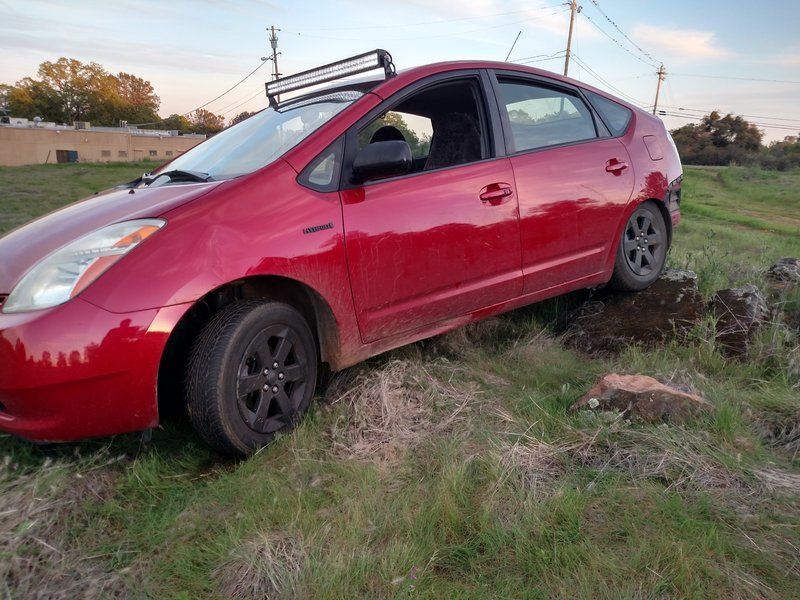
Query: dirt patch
[
  {"x": 391, "y": 408},
  {"x": 38, "y": 560},
  {"x": 270, "y": 565}
]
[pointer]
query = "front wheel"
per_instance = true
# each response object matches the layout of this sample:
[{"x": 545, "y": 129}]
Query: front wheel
[
  {"x": 642, "y": 249},
  {"x": 252, "y": 374}
]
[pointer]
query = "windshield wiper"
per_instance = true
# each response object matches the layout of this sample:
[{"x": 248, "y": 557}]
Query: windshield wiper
[{"x": 176, "y": 175}]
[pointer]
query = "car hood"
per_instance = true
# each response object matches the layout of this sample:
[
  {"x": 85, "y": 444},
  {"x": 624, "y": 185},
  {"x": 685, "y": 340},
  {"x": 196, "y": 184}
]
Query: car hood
[{"x": 25, "y": 246}]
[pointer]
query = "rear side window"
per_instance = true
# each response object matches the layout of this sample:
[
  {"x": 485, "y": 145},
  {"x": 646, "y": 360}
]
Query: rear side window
[
  {"x": 541, "y": 116},
  {"x": 615, "y": 115}
]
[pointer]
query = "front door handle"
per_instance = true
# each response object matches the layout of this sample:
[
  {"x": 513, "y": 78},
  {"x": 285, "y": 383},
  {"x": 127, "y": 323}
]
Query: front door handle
[
  {"x": 616, "y": 166},
  {"x": 496, "y": 193}
]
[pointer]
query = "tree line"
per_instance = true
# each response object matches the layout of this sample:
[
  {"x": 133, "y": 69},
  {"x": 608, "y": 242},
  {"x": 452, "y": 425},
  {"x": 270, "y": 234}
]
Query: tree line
[
  {"x": 68, "y": 90},
  {"x": 730, "y": 139}
]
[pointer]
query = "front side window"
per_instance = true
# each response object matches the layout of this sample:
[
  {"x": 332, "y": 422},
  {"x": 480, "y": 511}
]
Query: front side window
[
  {"x": 259, "y": 140},
  {"x": 443, "y": 124},
  {"x": 540, "y": 116}
]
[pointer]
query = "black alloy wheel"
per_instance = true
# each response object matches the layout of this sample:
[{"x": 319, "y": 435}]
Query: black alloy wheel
[
  {"x": 252, "y": 374},
  {"x": 642, "y": 250}
]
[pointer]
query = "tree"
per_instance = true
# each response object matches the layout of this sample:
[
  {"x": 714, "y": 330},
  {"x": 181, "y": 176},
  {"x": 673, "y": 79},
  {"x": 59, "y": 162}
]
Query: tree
[
  {"x": 203, "y": 121},
  {"x": 68, "y": 90},
  {"x": 241, "y": 117},
  {"x": 718, "y": 140},
  {"x": 138, "y": 100},
  {"x": 175, "y": 123}
]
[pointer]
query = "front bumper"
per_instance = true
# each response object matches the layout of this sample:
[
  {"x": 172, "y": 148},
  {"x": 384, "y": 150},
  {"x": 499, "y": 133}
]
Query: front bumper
[{"x": 76, "y": 371}]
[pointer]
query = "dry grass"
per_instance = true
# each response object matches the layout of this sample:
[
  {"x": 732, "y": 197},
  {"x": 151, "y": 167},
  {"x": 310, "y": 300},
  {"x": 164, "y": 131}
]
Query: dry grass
[
  {"x": 38, "y": 560},
  {"x": 267, "y": 567},
  {"x": 679, "y": 459},
  {"x": 536, "y": 466},
  {"x": 391, "y": 408}
]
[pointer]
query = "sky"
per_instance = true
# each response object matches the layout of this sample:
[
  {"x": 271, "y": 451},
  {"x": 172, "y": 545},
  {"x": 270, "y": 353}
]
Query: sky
[{"x": 736, "y": 56}]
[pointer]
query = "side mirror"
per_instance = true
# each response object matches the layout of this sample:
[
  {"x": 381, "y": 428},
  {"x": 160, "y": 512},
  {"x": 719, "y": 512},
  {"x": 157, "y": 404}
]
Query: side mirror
[{"x": 382, "y": 159}]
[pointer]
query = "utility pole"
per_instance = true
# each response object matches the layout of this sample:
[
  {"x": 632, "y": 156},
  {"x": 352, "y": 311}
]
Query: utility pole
[
  {"x": 273, "y": 41},
  {"x": 573, "y": 9},
  {"x": 661, "y": 75}
]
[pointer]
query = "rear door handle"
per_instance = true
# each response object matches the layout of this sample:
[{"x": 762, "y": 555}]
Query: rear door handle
[
  {"x": 616, "y": 166},
  {"x": 496, "y": 193}
]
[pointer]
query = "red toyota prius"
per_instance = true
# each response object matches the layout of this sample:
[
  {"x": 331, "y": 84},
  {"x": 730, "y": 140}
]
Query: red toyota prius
[{"x": 333, "y": 225}]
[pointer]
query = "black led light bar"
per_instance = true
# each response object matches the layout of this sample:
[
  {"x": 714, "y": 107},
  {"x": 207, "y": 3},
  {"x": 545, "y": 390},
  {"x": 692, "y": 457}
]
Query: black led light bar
[{"x": 376, "y": 59}]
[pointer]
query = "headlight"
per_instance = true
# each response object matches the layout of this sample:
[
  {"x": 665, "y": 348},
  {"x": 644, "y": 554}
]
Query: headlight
[{"x": 66, "y": 272}]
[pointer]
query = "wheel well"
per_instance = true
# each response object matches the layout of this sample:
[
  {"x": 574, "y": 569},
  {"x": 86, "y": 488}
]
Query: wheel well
[
  {"x": 667, "y": 218},
  {"x": 316, "y": 312}
]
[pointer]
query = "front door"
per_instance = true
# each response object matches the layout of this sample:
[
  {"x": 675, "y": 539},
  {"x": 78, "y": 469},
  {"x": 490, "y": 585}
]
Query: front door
[{"x": 442, "y": 240}]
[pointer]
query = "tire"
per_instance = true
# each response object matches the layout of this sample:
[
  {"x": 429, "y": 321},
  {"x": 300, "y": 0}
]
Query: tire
[
  {"x": 642, "y": 249},
  {"x": 252, "y": 374}
]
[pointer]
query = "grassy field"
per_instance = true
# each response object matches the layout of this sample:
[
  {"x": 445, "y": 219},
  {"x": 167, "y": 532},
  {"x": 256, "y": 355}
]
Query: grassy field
[{"x": 449, "y": 468}]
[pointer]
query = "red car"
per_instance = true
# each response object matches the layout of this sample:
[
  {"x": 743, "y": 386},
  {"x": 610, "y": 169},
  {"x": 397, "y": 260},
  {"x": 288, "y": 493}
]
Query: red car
[{"x": 327, "y": 228}]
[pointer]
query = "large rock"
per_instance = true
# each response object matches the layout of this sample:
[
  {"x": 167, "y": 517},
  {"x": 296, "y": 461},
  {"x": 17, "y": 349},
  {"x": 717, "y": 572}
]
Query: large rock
[
  {"x": 786, "y": 270},
  {"x": 642, "y": 399},
  {"x": 740, "y": 312},
  {"x": 782, "y": 278},
  {"x": 608, "y": 324}
]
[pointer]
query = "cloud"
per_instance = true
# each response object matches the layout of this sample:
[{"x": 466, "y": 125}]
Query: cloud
[{"x": 681, "y": 43}]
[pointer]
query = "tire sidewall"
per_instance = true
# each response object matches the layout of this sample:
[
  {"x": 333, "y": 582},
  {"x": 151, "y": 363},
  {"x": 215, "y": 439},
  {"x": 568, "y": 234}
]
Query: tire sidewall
[
  {"x": 232, "y": 351},
  {"x": 624, "y": 277}
]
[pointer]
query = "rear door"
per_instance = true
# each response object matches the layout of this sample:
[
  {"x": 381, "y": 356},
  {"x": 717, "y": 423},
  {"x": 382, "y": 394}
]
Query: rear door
[
  {"x": 443, "y": 239},
  {"x": 572, "y": 179}
]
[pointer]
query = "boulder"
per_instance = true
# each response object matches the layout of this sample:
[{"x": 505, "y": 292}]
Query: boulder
[
  {"x": 613, "y": 320},
  {"x": 786, "y": 270},
  {"x": 642, "y": 399},
  {"x": 740, "y": 312}
]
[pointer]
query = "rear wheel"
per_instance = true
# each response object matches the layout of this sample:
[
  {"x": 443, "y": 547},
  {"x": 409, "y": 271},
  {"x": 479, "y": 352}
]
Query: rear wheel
[
  {"x": 252, "y": 374},
  {"x": 642, "y": 249}
]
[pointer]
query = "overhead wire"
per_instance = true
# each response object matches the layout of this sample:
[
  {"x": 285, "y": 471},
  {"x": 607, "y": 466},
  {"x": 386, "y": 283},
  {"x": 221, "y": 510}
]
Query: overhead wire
[
  {"x": 616, "y": 41},
  {"x": 619, "y": 92},
  {"x": 735, "y": 78},
  {"x": 230, "y": 89},
  {"x": 613, "y": 23},
  {"x": 757, "y": 124}
]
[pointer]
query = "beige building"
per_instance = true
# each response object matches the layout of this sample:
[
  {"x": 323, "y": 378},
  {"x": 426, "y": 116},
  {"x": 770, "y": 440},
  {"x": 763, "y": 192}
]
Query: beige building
[{"x": 26, "y": 143}]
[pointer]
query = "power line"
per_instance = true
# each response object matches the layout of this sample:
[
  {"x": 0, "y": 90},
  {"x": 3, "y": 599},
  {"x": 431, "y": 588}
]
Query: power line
[
  {"x": 230, "y": 110},
  {"x": 665, "y": 113},
  {"x": 230, "y": 89},
  {"x": 541, "y": 57},
  {"x": 736, "y": 78},
  {"x": 606, "y": 83},
  {"x": 706, "y": 112},
  {"x": 615, "y": 40},
  {"x": 639, "y": 48}
]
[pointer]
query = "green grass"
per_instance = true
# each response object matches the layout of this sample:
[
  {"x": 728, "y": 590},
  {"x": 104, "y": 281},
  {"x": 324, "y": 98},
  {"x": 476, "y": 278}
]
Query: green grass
[
  {"x": 482, "y": 485},
  {"x": 29, "y": 192}
]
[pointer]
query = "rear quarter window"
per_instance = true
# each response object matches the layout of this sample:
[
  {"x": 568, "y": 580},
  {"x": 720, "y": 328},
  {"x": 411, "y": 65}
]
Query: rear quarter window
[{"x": 616, "y": 116}]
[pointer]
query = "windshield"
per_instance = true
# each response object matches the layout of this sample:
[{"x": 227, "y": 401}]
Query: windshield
[{"x": 262, "y": 138}]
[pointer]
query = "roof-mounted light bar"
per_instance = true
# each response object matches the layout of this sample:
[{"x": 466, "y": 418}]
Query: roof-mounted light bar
[{"x": 377, "y": 59}]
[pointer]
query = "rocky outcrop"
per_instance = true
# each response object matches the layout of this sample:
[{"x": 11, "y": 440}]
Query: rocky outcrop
[
  {"x": 642, "y": 399},
  {"x": 612, "y": 320}
]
